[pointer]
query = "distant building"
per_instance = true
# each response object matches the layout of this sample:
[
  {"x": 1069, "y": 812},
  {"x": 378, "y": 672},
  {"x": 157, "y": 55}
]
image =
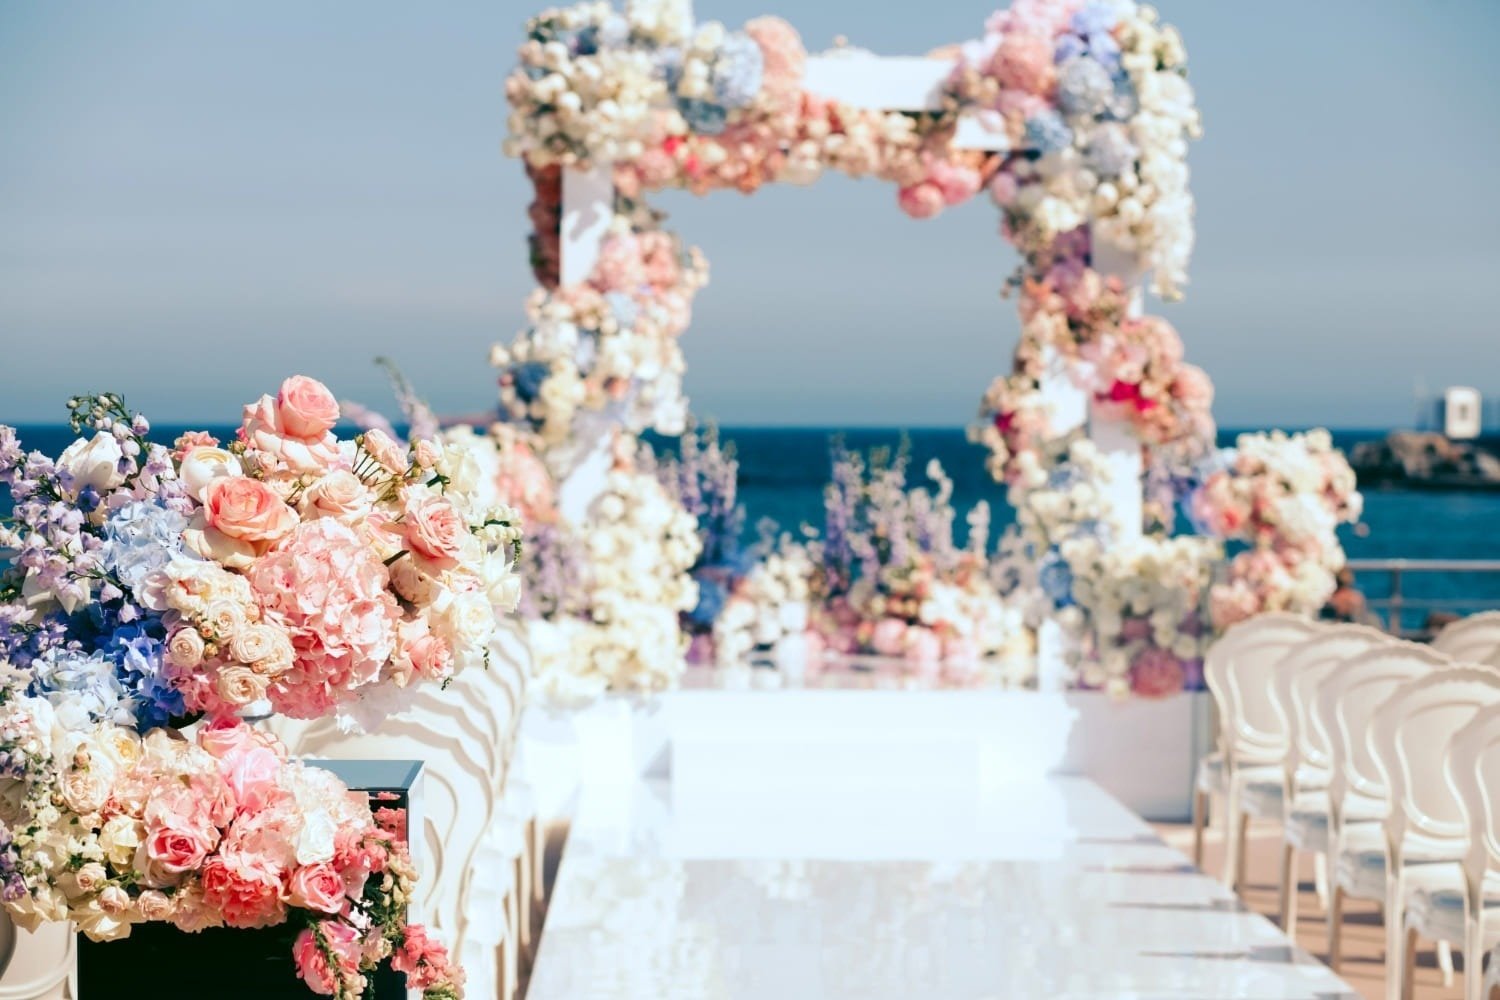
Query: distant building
[{"x": 1462, "y": 413}]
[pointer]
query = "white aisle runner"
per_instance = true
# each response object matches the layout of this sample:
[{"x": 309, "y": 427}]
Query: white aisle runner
[{"x": 1057, "y": 892}]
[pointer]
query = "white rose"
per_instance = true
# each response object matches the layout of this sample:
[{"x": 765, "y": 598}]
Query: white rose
[
  {"x": 119, "y": 839},
  {"x": 315, "y": 839},
  {"x": 202, "y": 465},
  {"x": 92, "y": 462}
]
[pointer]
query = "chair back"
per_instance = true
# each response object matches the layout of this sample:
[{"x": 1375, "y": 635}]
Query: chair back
[
  {"x": 1409, "y": 737},
  {"x": 1473, "y": 771},
  {"x": 1239, "y": 670},
  {"x": 39, "y": 964},
  {"x": 1296, "y": 686},
  {"x": 1475, "y": 639},
  {"x": 1347, "y": 702}
]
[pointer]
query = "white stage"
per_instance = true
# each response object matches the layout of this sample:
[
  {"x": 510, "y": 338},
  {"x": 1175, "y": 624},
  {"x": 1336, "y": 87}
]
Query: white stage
[{"x": 1047, "y": 888}]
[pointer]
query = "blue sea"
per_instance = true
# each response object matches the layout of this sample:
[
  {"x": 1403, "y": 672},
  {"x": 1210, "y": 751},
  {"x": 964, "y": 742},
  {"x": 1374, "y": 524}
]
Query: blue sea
[{"x": 783, "y": 470}]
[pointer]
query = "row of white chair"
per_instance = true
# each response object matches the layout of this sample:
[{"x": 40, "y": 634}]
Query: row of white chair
[{"x": 1340, "y": 733}]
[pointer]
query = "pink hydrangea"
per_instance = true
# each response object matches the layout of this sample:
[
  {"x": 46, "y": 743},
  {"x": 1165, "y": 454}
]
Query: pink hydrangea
[
  {"x": 329, "y": 590},
  {"x": 247, "y": 894}
]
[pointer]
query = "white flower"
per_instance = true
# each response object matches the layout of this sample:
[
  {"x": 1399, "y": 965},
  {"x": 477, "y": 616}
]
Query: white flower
[{"x": 92, "y": 463}]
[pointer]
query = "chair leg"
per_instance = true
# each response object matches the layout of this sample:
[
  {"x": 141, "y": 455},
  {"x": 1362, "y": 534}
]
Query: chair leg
[
  {"x": 1242, "y": 856},
  {"x": 1336, "y": 928},
  {"x": 1445, "y": 962},
  {"x": 1200, "y": 818},
  {"x": 1408, "y": 966},
  {"x": 1473, "y": 957},
  {"x": 1320, "y": 879},
  {"x": 1395, "y": 948},
  {"x": 1232, "y": 843},
  {"x": 1289, "y": 891}
]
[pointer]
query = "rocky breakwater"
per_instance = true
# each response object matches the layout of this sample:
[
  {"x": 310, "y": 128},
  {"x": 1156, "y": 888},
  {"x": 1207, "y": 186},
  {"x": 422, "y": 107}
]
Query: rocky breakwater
[{"x": 1425, "y": 459}]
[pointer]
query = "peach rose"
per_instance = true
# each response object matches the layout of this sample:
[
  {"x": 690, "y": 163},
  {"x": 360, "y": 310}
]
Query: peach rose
[
  {"x": 307, "y": 409},
  {"x": 435, "y": 530},
  {"x": 317, "y": 887},
  {"x": 154, "y": 905},
  {"x": 340, "y": 494},
  {"x": 275, "y": 445},
  {"x": 386, "y": 450},
  {"x": 421, "y": 652},
  {"x": 426, "y": 454},
  {"x": 247, "y": 509}
]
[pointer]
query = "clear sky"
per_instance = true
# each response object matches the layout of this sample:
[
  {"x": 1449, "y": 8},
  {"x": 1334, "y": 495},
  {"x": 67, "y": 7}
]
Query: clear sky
[{"x": 197, "y": 198}]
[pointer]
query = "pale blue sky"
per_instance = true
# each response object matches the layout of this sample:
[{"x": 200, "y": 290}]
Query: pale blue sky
[{"x": 196, "y": 198}]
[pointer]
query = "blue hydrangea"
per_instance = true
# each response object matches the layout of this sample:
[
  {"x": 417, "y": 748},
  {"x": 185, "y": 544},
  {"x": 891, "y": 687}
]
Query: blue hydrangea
[
  {"x": 1093, "y": 19},
  {"x": 703, "y": 117},
  {"x": 140, "y": 538},
  {"x": 1084, "y": 87},
  {"x": 84, "y": 689},
  {"x": 1123, "y": 103},
  {"x": 712, "y": 594},
  {"x": 1046, "y": 132},
  {"x": 738, "y": 71},
  {"x": 625, "y": 310},
  {"x": 138, "y": 652},
  {"x": 1056, "y": 579}
]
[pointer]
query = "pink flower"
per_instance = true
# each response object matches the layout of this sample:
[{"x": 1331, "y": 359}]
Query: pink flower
[
  {"x": 424, "y": 960},
  {"x": 435, "y": 530},
  {"x": 263, "y": 432},
  {"x": 251, "y": 773},
  {"x": 247, "y": 509},
  {"x": 317, "y": 887},
  {"x": 306, "y": 407},
  {"x": 176, "y": 848},
  {"x": 1003, "y": 189},
  {"x": 220, "y": 736},
  {"x": 957, "y": 182},
  {"x": 921, "y": 201},
  {"x": 340, "y": 941},
  {"x": 329, "y": 591},
  {"x": 1024, "y": 62},
  {"x": 386, "y": 450},
  {"x": 419, "y": 652},
  {"x": 1156, "y": 673},
  {"x": 923, "y": 647},
  {"x": 889, "y": 637},
  {"x": 247, "y": 894}
]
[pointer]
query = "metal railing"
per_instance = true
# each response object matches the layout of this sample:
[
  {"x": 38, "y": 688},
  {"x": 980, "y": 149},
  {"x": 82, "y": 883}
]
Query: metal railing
[{"x": 1420, "y": 587}]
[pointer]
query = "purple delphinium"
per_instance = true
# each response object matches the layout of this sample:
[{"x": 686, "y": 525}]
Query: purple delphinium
[{"x": 555, "y": 583}]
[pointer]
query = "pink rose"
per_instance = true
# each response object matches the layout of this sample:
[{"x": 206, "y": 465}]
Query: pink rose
[
  {"x": 339, "y": 494},
  {"x": 426, "y": 453},
  {"x": 251, "y": 773},
  {"x": 317, "y": 887},
  {"x": 306, "y": 407},
  {"x": 224, "y": 734},
  {"x": 263, "y": 432},
  {"x": 385, "y": 449},
  {"x": 889, "y": 637},
  {"x": 247, "y": 509},
  {"x": 177, "y": 848},
  {"x": 921, "y": 201},
  {"x": 435, "y": 530},
  {"x": 1156, "y": 673},
  {"x": 421, "y": 652}
]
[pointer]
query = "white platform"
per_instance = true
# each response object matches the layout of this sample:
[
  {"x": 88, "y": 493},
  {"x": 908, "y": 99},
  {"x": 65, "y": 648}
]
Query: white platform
[{"x": 1050, "y": 888}]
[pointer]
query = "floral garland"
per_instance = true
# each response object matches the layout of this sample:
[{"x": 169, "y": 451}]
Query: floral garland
[
  {"x": 107, "y": 828},
  {"x": 1284, "y": 495}
]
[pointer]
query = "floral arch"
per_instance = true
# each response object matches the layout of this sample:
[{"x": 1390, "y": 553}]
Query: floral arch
[{"x": 1074, "y": 119}]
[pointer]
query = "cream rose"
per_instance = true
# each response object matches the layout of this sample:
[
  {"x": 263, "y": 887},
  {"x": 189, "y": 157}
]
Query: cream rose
[
  {"x": 119, "y": 839},
  {"x": 239, "y": 685},
  {"x": 253, "y": 643},
  {"x": 202, "y": 465},
  {"x": 185, "y": 648}
]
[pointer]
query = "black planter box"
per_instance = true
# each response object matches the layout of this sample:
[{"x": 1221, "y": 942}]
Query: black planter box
[{"x": 159, "y": 962}]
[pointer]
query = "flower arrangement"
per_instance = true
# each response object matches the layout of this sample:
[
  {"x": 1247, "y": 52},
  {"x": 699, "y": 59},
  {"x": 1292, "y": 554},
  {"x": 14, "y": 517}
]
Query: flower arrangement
[
  {"x": 152, "y": 583},
  {"x": 704, "y": 477},
  {"x": 1284, "y": 495},
  {"x": 109, "y": 828},
  {"x": 611, "y": 591},
  {"x": 883, "y": 578}
]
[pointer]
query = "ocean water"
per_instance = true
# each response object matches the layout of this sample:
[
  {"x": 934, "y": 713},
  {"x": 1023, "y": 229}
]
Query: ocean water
[{"x": 783, "y": 470}]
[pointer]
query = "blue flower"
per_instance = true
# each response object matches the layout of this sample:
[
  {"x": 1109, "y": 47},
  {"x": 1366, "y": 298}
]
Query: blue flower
[
  {"x": 83, "y": 689},
  {"x": 624, "y": 307},
  {"x": 1046, "y": 132},
  {"x": 1094, "y": 19},
  {"x": 711, "y": 596},
  {"x": 529, "y": 376},
  {"x": 1084, "y": 87},
  {"x": 703, "y": 117},
  {"x": 140, "y": 538},
  {"x": 738, "y": 71},
  {"x": 1056, "y": 579},
  {"x": 138, "y": 653},
  {"x": 1110, "y": 152}
]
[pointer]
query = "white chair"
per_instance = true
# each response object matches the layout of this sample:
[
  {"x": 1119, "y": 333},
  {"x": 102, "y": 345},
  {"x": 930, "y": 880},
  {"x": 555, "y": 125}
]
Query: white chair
[
  {"x": 1345, "y": 707},
  {"x": 1426, "y": 836},
  {"x": 1252, "y": 734},
  {"x": 39, "y": 964},
  {"x": 1475, "y": 639},
  {"x": 1471, "y": 916},
  {"x": 1306, "y": 769}
]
